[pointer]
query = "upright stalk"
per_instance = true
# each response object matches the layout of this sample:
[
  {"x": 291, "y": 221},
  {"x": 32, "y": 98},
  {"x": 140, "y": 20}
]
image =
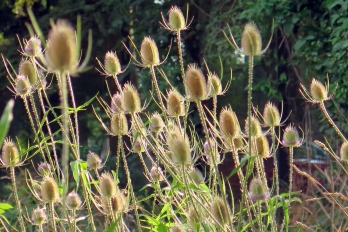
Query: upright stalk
[
  {"x": 14, "y": 186},
  {"x": 52, "y": 219},
  {"x": 158, "y": 92},
  {"x": 291, "y": 151}
]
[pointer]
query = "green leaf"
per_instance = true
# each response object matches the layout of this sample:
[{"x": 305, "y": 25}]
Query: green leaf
[
  {"x": 75, "y": 170},
  {"x": 112, "y": 227},
  {"x": 6, "y": 119},
  {"x": 299, "y": 43},
  {"x": 242, "y": 162},
  {"x": 162, "y": 228},
  {"x": 5, "y": 206}
]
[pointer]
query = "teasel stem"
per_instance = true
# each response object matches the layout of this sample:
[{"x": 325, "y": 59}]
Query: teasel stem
[
  {"x": 111, "y": 213},
  {"x": 53, "y": 221},
  {"x": 291, "y": 159},
  {"x": 214, "y": 109},
  {"x": 236, "y": 161},
  {"x": 117, "y": 83},
  {"x": 327, "y": 116},
  {"x": 88, "y": 203},
  {"x": 74, "y": 219},
  {"x": 158, "y": 92},
  {"x": 40, "y": 228},
  {"x": 75, "y": 118},
  {"x": 14, "y": 186},
  {"x": 97, "y": 173},
  {"x": 130, "y": 186},
  {"x": 275, "y": 161}
]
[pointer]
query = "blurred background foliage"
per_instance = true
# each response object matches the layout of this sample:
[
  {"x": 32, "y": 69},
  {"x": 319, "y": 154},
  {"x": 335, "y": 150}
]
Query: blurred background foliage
[{"x": 309, "y": 40}]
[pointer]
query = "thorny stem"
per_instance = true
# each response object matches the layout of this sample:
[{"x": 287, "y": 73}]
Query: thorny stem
[
  {"x": 291, "y": 151},
  {"x": 14, "y": 186},
  {"x": 158, "y": 92},
  {"x": 52, "y": 219},
  {"x": 88, "y": 203},
  {"x": 75, "y": 117},
  {"x": 74, "y": 219}
]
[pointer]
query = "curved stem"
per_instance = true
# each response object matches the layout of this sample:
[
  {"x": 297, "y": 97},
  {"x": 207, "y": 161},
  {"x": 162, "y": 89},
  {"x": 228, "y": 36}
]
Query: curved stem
[
  {"x": 158, "y": 92},
  {"x": 14, "y": 186},
  {"x": 75, "y": 118},
  {"x": 52, "y": 219}
]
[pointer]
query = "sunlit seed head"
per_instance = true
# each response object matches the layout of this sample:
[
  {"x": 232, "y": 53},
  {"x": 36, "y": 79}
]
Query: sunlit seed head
[
  {"x": 33, "y": 47},
  {"x": 177, "y": 228},
  {"x": 38, "y": 216},
  {"x": 10, "y": 154},
  {"x": 209, "y": 147},
  {"x": 49, "y": 190},
  {"x": 73, "y": 200},
  {"x": 318, "y": 91},
  {"x": 255, "y": 127},
  {"x": 119, "y": 125},
  {"x": 44, "y": 169},
  {"x": 176, "y": 19},
  {"x": 220, "y": 211},
  {"x": 139, "y": 145},
  {"x": 196, "y": 86},
  {"x": 193, "y": 218},
  {"x": 156, "y": 174},
  {"x": 116, "y": 103},
  {"x": 112, "y": 64},
  {"x": 26, "y": 68},
  {"x": 131, "y": 99},
  {"x": 175, "y": 105},
  {"x": 271, "y": 115},
  {"x": 181, "y": 151},
  {"x": 229, "y": 123},
  {"x": 196, "y": 176},
  {"x": 156, "y": 123},
  {"x": 22, "y": 85},
  {"x": 94, "y": 161},
  {"x": 215, "y": 86},
  {"x": 149, "y": 52},
  {"x": 344, "y": 151},
  {"x": 258, "y": 190},
  {"x": 61, "y": 51},
  {"x": 291, "y": 138},
  {"x": 261, "y": 147},
  {"x": 107, "y": 186},
  {"x": 251, "y": 40},
  {"x": 118, "y": 203}
]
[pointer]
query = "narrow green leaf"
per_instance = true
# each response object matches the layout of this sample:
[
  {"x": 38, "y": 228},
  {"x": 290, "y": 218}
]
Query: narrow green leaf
[
  {"x": 6, "y": 119},
  {"x": 112, "y": 227},
  {"x": 75, "y": 170}
]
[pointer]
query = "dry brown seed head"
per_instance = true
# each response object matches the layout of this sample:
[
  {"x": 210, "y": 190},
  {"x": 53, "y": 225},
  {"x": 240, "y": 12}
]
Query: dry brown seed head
[
  {"x": 219, "y": 210},
  {"x": 193, "y": 218},
  {"x": 149, "y": 52},
  {"x": 318, "y": 91},
  {"x": 93, "y": 161},
  {"x": 33, "y": 47},
  {"x": 73, "y": 200},
  {"x": 255, "y": 127},
  {"x": 181, "y": 151},
  {"x": 156, "y": 123},
  {"x": 107, "y": 186},
  {"x": 196, "y": 86},
  {"x": 215, "y": 86},
  {"x": 119, "y": 125},
  {"x": 49, "y": 190},
  {"x": 175, "y": 104},
  {"x": 112, "y": 64},
  {"x": 251, "y": 40},
  {"x": 26, "y": 68},
  {"x": 271, "y": 115},
  {"x": 10, "y": 154},
  {"x": 131, "y": 99},
  {"x": 261, "y": 147},
  {"x": 118, "y": 203},
  {"x": 176, "y": 19},
  {"x": 229, "y": 123}
]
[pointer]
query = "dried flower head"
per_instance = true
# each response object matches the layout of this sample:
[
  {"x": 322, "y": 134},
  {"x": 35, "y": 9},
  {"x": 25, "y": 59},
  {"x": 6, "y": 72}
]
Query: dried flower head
[
  {"x": 196, "y": 176},
  {"x": 119, "y": 125},
  {"x": 130, "y": 99},
  {"x": 38, "y": 216},
  {"x": 181, "y": 151},
  {"x": 149, "y": 52},
  {"x": 220, "y": 211},
  {"x": 195, "y": 84},
  {"x": 61, "y": 52},
  {"x": 261, "y": 147},
  {"x": 107, "y": 186},
  {"x": 116, "y": 103},
  {"x": 26, "y": 68},
  {"x": 22, "y": 86},
  {"x": 73, "y": 200},
  {"x": 344, "y": 151},
  {"x": 175, "y": 104},
  {"x": 139, "y": 145},
  {"x": 33, "y": 47},
  {"x": 255, "y": 127},
  {"x": 229, "y": 123},
  {"x": 193, "y": 218},
  {"x": 112, "y": 64},
  {"x": 271, "y": 115},
  {"x": 258, "y": 190},
  {"x": 44, "y": 169},
  {"x": 93, "y": 161},
  {"x": 156, "y": 123},
  {"x": 118, "y": 203},
  {"x": 10, "y": 154},
  {"x": 156, "y": 174},
  {"x": 291, "y": 138},
  {"x": 251, "y": 40},
  {"x": 215, "y": 86},
  {"x": 176, "y": 19},
  {"x": 318, "y": 91},
  {"x": 49, "y": 190}
]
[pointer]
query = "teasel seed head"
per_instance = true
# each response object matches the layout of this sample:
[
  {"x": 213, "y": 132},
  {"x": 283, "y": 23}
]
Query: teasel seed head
[
  {"x": 193, "y": 218},
  {"x": 261, "y": 147},
  {"x": 255, "y": 127},
  {"x": 38, "y": 216},
  {"x": 44, "y": 169},
  {"x": 196, "y": 176},
  {"x": 61, "y": 52},
  {"x": 112, "y": 64},
  {"x": 118, "y": 202},
  {"x": 229, "y": 123},
  {"x": 119, "y": 125},
  {"x": 73, "y": 200},
  {"x": 149, "y": 52},
  {"x": 181, "y": 151},
  {"x": 258, "y": 190},
  {"x": 10, "y": 154},
  {"x": 94, "y": 161},
  {"x": 49, "y": 190},
  {"x": 175, "y": 106},
  {"x": 107, "y": 186},
  {"x": 156, "y": 123},
  {"x": 22, "y": 85},
  {"x": 291, "y": 138},
  {"x": 196, "y": 86},
  {"x": 139, "y": 145},
  {"x": 131, "y": 99},
  {"x": 219, "y": 210},
  {"x": 318, "y": 91},
  {"x": 116, "y": 103},
  {"x": 177, "y": 228},
  {"x": 271, "y": 115},
  {"x": 251, "y": 40},
  {"x": 26, "y": 68},
  {"x": 156, "y": 174},
  {"x": 344, "y": 151},
  {"x": 215, "y": 86},
  {"x": 209, "y": 147},
  {"x": 33, "y": 47},
  {"x": 176, "y": 19}
]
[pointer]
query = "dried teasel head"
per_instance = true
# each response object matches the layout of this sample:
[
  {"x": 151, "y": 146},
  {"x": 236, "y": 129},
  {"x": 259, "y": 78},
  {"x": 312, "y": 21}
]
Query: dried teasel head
[
  {"x": 220, "y": 211},
  {"x": 214, "y": 85},
  {"x": 156, "y": 123},
  {"x": 118, "y": 203},
  {"x": 156, "y": 174},
  {"x": 176, "y": 19},
  {"x": 119, "y": 125},
  {"x": 175, "y": 105},
  {"x": 229, "y": 123},
  {"x": 177, "y": 228},
  {"x": 73, "y": 200},
  {"x": 258, "y": 190},
  {"x": 261, "y": 147},
  {"x": 193, "y": 218},
  {"x": 22, "y": 86},
  {"x": 255, "y": 127},
  {"x": 26, "y": 68},
  {"x": 44, "y": 169},
  {"x": 116, "y": 103},
  {"x": 251, "y": 40},
  {"x": 195, "y": 83},
  {"x": 344, "y": 152},
  {"x": 94, "y": 161},
  {"x": 271, "y": 115},
  {"x": 130, "y": 99},
  {"x": 107, "y": 186},
  {"x": 112, "y": 64},
  {"x": 196, "y": 176},
  {"x": 139, "y": 145},
  {"x": 149, "y": 52},
  {"x": 291, "y": 137},
  {"x": 181, "y": 151},
  {"x": 318, "y": 91},
  {"x": 33, "y": 47},
  {"x": 49, "y": 190},
  {"x": 10, "y": 155},
  {"x": 38, "y": 216}
]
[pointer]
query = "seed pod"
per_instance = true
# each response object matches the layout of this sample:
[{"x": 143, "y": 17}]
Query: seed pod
[
  {"x": 229, "y": 123},
  {"x": 258, "y": 190},
  {"x": 22, "y": 86},
  {"x": 10, "y": 154},
  {"x": 107, "y": 186},
  {"x": 149, "y": 52},
  {"x": 116, "y": 103},
  {"x": 73, "y": 200},
  {"x": 181, "y": 151},
  {"x": 271, "y": 115},
  {"x": 344, "y": 151},
  {"x": 61, "y": 52},
  {"x": 156, "y": 123},
  {"x": 318, "y": 91},
  {"x": 38, "y": 216},
  {"x": 255, "y": 128},
  {"x": 261, "y": 147},
  {"x": 119, "y": 125},
  {"x": 156, "y": 174},
  {"x": 26, "y": 68},
  {"x": 33, "y": 47},
  {"x": 196, "y": 86},
  {"x": 291, "y": 138},
  {"x": 130, "y": 99},
  {"x": 220, "y": 211},
  {"x": 49, "y": 190},
  {"x": 251, "y": 40},
  {"x": 175, "y": 104},
  {"x": 94, "y": 161},
  {"x": 44, "y": 169},
  {"x": 196, "y": 176},
  {"x": 112, "y": 64},
  {"x": 176, "y": 19},
  {"x": 215, "y": 86}
]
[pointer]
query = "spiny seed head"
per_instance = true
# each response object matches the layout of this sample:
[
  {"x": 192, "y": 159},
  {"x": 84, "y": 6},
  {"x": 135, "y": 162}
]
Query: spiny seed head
[
  {"x": 261, "y": 146},
  {"x": 73, "y": 200},
  {"x": 10, "y": 154},
  {"x": 174, "y": 132},
  {"x": 119, "y": 125},
  {"x": 61, "y": 52},
  {"x": 177, "y": 228},
  {"x": 139, "y": 145},
  {"x": 131, "y": 99},
  {"x": 33, "y": 47},
  {"x": 116, "y": 103},
  {"x": 215, "y": 86},
  {"x": 196, "y": 176},
  {"x": 156, "y": 173},
  {"x": 175, "y": 104},
  {"x": 22, "y": 85},
  {"x": 219, "y": 210},
  {"x": 156, "y": 123},
  {"x": 196, "y": 86},
  {"x": 38, "y": 216},
  {"x": 251, "y": 40},
  {"x": 318, "y": 91},
  {"x": 112, "y": 64},
  {"x": 271, "y": 115},
  {"x": 193, "y": 218},
  {"x": 107, "y": 185},
  {"x": 118, "y": 203},
  {"x": 258, "y": 190},
  {"x": 229, "y": 123},
  {"x": 181, "y": 151},
  {"x": 210, "y": 159},
  {"x": 291, "y": 138},
  {"x": 26, "y": 68},
  {"x": 149, "y": 52},
  {"x": 209, "y": 147},
  {"x": 49, "y": 190},
  {"x": 94, "y": 161},
  {"x": 44, "y": 169},
  {"x": 255, "y": 127},
  {"x": 176, "y": 19},
  {"x": 344, "y": 151}
]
